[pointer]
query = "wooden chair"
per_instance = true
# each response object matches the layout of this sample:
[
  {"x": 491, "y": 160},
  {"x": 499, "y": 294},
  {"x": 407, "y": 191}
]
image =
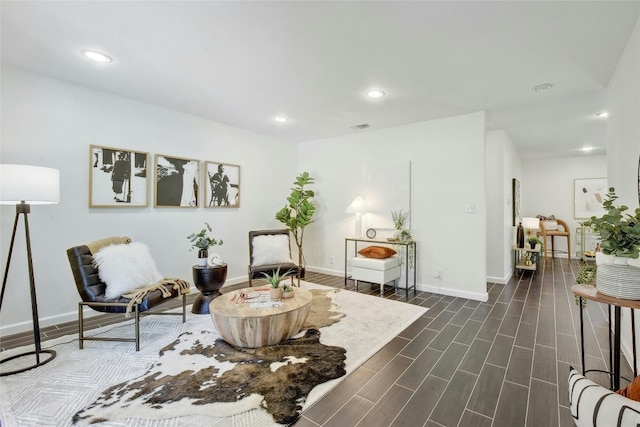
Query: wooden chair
[
  {"x": 277, "y": 254},
  {"x": 562, "y": 230},
  {"x": 92, "y": 291}
]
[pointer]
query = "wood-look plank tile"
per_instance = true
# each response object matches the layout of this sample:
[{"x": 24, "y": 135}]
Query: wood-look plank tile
[
  {"x": 324, "y": 408},
  {"x": 544, "y": 364},
  {"x": 386, "y": 410},
  {"x": 501, "y": 351},
  {"x": 462, "y": 316},
  {"x": 476, "y": 356},
  {"x": 449, "y": 361},
  {"x": 441, "y": 320},
  {"x": 419, "y": 343},
  {"x": 386, "y": 353},
  {"x": 468, "y": 332},
  {"x": 543, "y": 404},
  {"x": 471, "y": 419},
  {"x": 498, "y": 311},
  {"x": 415, "y": 328},
  {"x": 526, "y": 336},
  {"x": 509, "y": 325},
  {"x": 487, "y": 390},
  {"x": 512, "y": 405},
  {"x": 445, "y": 337},
  {"x": 519, "y": 370},
  {"x": 451, "y": 406},
  {"x": 489, "y": 329},
  {"x": 351, "y": 413},
  {"x": 418, "y": 408},
  {"x": 386, "y": 377},
  {"x": 419, "y": 369}
]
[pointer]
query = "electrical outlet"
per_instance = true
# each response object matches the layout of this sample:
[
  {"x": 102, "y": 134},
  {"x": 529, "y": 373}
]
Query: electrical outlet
[
  {"x": 438, "y": 275},
  {"x": 332, "y": 259}
]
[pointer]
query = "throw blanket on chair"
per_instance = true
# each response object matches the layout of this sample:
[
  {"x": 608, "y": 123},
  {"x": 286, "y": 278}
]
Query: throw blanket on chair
[{"x": 137, "y": 295}]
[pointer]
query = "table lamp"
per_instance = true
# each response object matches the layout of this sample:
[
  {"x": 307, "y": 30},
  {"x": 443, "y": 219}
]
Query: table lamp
[
  {"x": 23, "y": 186},
  {"x": 530, "y": 224},
  {"x": 359, "y": 206}
]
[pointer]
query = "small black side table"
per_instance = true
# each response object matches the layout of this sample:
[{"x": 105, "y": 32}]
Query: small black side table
[{"x": 208, "y": 280}]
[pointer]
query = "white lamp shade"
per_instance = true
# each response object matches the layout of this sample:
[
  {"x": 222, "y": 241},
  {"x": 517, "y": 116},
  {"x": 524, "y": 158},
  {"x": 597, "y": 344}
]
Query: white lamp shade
[
  {"x": 531, "y": 223},
  {"x": 34, "y": 185},
  {"x": 359, "y": 205}
]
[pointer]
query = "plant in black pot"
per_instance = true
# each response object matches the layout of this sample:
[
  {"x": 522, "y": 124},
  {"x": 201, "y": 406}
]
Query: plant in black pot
[
  {"x": 202, "y": 241},
  {"x": 618, "y": 272},
  {"x": 534, "y": 241}
]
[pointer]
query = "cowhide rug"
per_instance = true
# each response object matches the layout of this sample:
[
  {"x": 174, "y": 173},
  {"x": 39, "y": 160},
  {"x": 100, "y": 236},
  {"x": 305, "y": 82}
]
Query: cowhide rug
[{"x": 211, "y": 377}]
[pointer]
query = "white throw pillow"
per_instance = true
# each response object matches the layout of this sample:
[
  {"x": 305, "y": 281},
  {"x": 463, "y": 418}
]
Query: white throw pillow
[
  {"x": 595, "y": 406},
  {"x": 126, "y": 267},
  {"x": 551, "y": 225},
  {"x": 271, "y": 249}
]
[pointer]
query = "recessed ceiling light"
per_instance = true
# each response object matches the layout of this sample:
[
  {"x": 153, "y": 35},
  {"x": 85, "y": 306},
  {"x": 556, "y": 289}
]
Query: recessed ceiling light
[
  {"x": 375, "y": 94},
  {"x": 542, "y": 87},
  {"x": 602, "y": 115},
  {"x": 97, "y": 56},
  {"x": 281, "y": 119}
]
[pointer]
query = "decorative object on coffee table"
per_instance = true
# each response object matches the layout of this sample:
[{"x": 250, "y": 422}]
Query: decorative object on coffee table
[{"x": 208, "y": 280}]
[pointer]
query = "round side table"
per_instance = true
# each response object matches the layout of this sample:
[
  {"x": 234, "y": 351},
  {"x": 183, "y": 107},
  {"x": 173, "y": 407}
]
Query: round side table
[{"x": 208, "y": 280}]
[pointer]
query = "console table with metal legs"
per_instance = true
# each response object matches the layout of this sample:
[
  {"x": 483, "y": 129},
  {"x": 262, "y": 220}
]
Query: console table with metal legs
[
  {"x": 410, "y": 251},
  {"x": 589, "y": 292}
]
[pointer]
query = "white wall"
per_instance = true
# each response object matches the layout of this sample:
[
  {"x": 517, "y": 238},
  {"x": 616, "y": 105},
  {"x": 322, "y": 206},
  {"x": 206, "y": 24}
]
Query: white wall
[
  {"x": 502, "y": 165},
  {"x": 623, "y": 141},
  {"x": 447, "y": 173},
  {"x": 547, "y": 189},
  {"x": 50, "y": 123}
]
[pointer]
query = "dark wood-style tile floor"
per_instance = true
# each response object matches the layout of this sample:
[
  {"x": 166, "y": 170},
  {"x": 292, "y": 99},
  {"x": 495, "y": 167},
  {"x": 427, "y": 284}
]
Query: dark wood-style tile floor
[{"x": 501, "y": 363}]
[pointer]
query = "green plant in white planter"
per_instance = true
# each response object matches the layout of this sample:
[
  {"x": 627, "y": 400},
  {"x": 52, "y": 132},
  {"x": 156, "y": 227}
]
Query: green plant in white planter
[
  {"x": 202, "y": 241},
  {"x": 618, "y": 272},
  {"x": 402, "y": 235}
]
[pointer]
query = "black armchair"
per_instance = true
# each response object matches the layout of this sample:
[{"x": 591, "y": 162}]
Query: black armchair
[
  {"x": 268, "y": 251},
  {"x": 92, "y": 291}
]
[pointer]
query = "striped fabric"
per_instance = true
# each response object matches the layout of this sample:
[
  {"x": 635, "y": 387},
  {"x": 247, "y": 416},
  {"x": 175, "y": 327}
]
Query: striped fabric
[{"x": 595, "y": 406}]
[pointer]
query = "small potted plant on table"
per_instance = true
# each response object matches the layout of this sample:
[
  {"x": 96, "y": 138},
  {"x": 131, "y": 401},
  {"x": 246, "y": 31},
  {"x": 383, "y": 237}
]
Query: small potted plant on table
[
  {"x": 274, "y": 280},
  {"x": 203, "y": 242}
]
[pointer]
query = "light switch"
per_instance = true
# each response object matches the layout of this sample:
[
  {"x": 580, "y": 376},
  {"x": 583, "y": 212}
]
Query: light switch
[{"x": 470, "y": 208}]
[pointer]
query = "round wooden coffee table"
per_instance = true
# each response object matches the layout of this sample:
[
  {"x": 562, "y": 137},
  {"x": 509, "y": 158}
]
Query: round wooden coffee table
[{"x": 242, "y": 325}]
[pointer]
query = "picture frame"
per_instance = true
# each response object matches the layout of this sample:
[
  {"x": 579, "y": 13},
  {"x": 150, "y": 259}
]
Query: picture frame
[
  {"x": 176, "y": 182},
  {"x": 515, "y": 201},
  {"x": 221, "y": 187},
  {"x": 118, "y": 177},
  {"x": 588, "y": 195}
]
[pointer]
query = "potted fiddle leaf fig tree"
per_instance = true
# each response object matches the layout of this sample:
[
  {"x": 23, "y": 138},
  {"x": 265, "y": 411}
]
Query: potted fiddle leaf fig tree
[
  {"x": 618, "y": 272},
  {"x": 298, "y": 213}
]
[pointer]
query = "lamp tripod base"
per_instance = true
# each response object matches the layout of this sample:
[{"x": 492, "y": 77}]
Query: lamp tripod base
[{"x": 51, "y": 353}]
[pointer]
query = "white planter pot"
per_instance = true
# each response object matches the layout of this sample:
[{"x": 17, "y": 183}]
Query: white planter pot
[
  {"x": 616, "y": 278},
  {"x": 202, "y": 262}
]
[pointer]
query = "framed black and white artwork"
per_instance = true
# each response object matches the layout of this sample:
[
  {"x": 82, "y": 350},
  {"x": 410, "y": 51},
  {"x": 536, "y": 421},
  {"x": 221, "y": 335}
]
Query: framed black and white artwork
[
  {"x": 222, "y": 185},
  {"x": 117, "y": 177},
  {"x": 177, "y": 181}
]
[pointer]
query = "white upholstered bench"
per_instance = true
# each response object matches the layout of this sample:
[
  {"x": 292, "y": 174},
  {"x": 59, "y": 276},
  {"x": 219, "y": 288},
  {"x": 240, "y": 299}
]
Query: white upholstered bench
[{"x": 375, "y": 270}]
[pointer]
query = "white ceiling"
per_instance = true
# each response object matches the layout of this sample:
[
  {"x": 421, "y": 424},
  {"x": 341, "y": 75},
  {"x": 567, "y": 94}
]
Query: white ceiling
[{"x": 242, "y": 63}]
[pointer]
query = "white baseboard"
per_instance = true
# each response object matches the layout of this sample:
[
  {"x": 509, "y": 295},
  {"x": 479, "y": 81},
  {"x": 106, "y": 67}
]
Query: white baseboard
[
  {"x": 477, "y": 296},
  {"x": 500, "y": 280}
]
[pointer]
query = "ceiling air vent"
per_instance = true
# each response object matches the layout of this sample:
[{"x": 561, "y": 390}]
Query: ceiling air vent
[{"x": 361, "y": 126}]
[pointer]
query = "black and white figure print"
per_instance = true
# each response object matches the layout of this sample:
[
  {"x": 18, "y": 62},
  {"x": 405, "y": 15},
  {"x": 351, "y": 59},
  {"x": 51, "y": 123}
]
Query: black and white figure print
[
  {"x": 117, "y": 177},
  {"x": 222, "y": 185},
  {"x": 176, "y": 182}
]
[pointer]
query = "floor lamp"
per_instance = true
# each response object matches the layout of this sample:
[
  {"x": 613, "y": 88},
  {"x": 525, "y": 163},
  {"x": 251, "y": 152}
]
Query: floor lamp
[{"x": 23, "y": 186}]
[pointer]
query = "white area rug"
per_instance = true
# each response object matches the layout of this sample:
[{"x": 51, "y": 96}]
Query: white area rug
[{"x": 51, "y": 394}]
